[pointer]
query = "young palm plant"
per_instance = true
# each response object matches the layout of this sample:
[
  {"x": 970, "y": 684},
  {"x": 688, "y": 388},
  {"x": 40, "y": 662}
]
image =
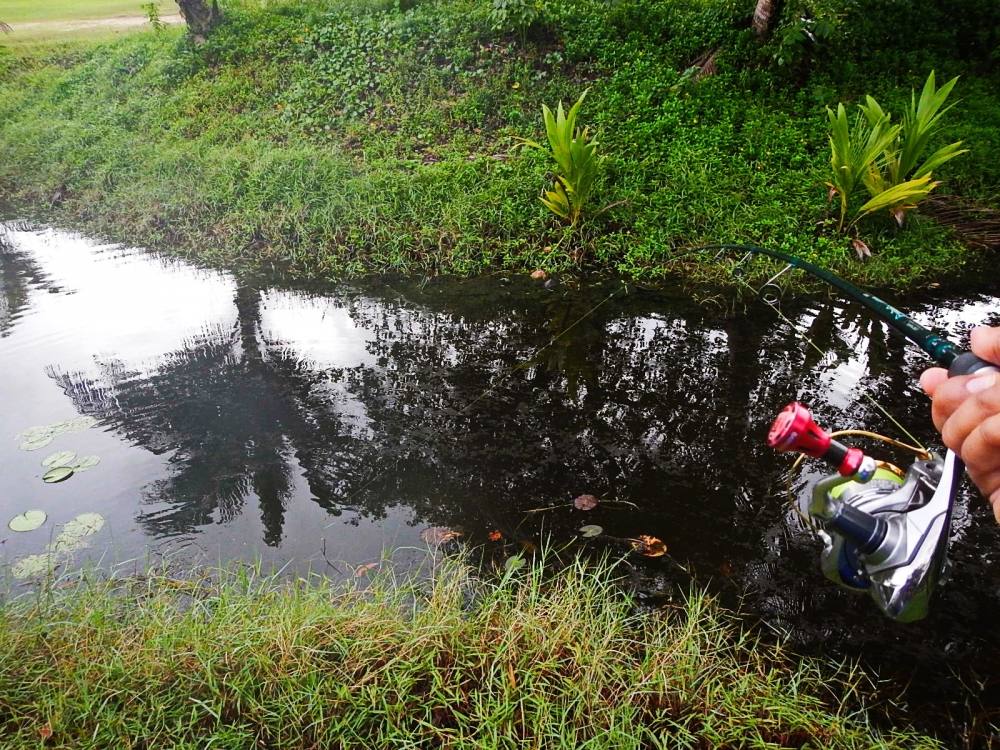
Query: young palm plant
[
  {"x": 885, "y": 159},
  {"x": 577, "y": 162},
  {"x": 855, "y": 153}
]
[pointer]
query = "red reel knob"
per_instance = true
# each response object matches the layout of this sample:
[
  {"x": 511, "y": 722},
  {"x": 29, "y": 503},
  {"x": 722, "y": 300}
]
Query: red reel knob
[{"x": 795, "y": 430}]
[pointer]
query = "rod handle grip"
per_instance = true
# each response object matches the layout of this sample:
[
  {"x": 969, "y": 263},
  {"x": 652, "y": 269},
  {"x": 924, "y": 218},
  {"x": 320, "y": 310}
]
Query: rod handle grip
[{"x": 967, "y": 363}]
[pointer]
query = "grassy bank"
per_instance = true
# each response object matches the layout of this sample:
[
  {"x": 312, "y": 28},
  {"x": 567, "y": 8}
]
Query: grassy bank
[
  {"x": 527, "y": 661},
  {"x": 342, "y": 136}
]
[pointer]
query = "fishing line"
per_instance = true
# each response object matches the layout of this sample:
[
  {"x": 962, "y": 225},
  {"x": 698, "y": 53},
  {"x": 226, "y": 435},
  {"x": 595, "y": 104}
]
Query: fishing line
[
  {"x": 835, "y": 281},
  {"x": 864, "y": 394}
]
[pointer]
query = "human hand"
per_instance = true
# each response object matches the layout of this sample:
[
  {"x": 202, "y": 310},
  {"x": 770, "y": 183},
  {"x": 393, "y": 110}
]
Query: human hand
[{"x": 966, "y": 411}]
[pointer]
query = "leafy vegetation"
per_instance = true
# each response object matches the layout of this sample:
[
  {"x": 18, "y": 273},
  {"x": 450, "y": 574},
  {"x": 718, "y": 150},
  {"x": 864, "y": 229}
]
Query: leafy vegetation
[
  {"x": 575, "y": 153},
  {"x": 349, "y": 137},
  {"x": 888, "y": 159},
  {"x": 530, "y": 659}
]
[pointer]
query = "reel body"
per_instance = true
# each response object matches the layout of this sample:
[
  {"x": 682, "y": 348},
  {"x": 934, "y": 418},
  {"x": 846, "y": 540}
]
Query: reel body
[{"x": 884, "y": 532}]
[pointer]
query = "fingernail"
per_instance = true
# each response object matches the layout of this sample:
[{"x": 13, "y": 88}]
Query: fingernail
[{"x": 978, "y": 383}]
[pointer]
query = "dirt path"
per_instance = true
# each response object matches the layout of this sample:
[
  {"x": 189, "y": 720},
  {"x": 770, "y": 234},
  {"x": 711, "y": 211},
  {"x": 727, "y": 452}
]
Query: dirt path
[{"x": 45, "y": 28}]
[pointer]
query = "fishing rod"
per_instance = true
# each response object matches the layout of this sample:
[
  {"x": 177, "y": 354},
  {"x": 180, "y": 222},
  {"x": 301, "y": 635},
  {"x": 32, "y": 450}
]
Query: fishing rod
[{"x": 884, "y": 531}]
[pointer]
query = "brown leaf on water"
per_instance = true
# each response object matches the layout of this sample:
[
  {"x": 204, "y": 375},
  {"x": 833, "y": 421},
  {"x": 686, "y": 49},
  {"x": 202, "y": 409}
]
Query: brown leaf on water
[
  {"x": 495, "y": 536},
  {"x": 539, "y": 275},
  {"x": 586, "y": 502},
  {"x": 438, "y": 535},
  {"x": 649, "y": 546},
  {"x": 363, "y": 570}
]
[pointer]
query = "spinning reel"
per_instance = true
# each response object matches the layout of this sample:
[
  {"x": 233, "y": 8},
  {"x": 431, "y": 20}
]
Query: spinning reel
[{"x": 884, "y": 532}]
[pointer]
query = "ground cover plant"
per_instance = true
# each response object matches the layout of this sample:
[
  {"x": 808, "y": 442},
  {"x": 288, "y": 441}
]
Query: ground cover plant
[
  {"x": 347, "y": 137},
  {"x": 527, "y": 659}
]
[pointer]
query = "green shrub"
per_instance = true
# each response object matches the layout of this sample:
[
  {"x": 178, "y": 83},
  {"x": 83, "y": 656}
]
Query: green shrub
[
  {"x": 515, "y": 15},
  {"x": 888, "y": 160}
]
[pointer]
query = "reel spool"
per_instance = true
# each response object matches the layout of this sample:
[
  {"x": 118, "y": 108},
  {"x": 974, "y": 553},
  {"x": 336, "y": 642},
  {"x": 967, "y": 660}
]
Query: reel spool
[{"x": 885, "y": 531}]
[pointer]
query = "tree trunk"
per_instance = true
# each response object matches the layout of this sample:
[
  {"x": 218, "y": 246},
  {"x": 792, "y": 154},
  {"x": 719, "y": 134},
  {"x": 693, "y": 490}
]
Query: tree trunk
[
  {"x": 200, "y": 17},
  {"x": 765, "y": 16}
]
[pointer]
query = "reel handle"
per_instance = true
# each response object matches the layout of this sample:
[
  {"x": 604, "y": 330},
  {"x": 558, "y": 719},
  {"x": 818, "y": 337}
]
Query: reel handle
[
  {"x": 794, "y": 429},
  {"x": 967, "y": 363}
]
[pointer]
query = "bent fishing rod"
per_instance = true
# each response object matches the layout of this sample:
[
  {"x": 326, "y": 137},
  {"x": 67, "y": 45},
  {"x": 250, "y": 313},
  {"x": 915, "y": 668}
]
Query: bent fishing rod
[{"x": 884, "y": 531}]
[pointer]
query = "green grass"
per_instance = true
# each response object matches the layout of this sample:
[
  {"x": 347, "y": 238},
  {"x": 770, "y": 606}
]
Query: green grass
[
  {"x": 20, "y": 11},
  {"x": 355, "y": 137},
  {"x": 40, "y": 23},
  {"x": 535, "y": 659}
]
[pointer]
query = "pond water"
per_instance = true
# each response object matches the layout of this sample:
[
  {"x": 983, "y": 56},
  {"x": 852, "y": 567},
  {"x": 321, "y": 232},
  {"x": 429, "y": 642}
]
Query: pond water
[{"x": 323, "y": 427}]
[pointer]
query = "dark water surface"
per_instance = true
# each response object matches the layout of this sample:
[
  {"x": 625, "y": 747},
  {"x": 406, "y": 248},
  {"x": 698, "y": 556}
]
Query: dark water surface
[{"x": 322, "y": 427}]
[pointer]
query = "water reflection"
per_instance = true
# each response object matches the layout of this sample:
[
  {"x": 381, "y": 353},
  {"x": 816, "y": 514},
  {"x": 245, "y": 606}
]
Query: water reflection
[{"x": 261, "y": 419}]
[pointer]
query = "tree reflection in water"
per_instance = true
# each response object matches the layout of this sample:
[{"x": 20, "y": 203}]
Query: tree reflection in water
[{"x": 469, "y": 403}]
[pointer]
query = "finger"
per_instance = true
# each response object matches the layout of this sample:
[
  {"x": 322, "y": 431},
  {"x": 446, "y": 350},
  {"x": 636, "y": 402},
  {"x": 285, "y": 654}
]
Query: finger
[
  {"x": 954, "y": 392},
  {"x": 995, "y": 502},
  {"x": 977, "y": 408},
  {"x": 932, "y": 378},
  {"x": 986, "y": 343},
  {"x": 981, "y": 453}
]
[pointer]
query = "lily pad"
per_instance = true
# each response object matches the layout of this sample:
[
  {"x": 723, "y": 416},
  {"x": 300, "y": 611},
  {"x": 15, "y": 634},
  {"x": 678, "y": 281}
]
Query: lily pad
[
  {"x": 82, "y": 423},
  {"x": 34, "y": 442},
  {"x": 590, "y": 531},
  {"x": 586, "y": 502},
  {"x": 27, "y": 521},
  {"x": 33, "y": 565},
  {"x": 58, "y": 474},
  {"x": 61, "y": 458},
  {"x": 86, "y": 462},
  {"x": 74, "y": 534}
]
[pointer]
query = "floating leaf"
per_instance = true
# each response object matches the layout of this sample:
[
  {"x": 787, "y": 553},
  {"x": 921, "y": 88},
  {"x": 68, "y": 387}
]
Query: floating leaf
[
  {"x": 363, "y": 570},
  {"x": 590, "y": 531},
  {"x": 539, "y": 275},
  {"x": 58, "y": 474},
  {"x": 86, "y": 462},
  {"x": 82, "y": 423},
  {"x": 33, "y": 565},
  {"x": 35, "y": 442},
  {"x": 514, "y": 563},
  {"x": 27, "y": 521},
  {"x": 649, "y": 546},
  {"x": 74, "y": 534},
  {"x": 586, "y": 502},
  {"x": 438, "y": 535},
  {"x": 494, "y": 536},
  {"x": 62, "y": 458}
]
